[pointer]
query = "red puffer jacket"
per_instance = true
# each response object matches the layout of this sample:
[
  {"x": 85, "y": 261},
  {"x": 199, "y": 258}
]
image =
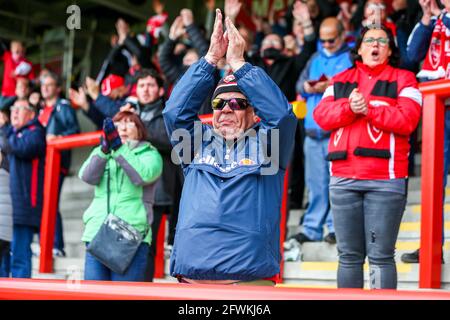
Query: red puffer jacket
[{"x": 374, "y": 146}]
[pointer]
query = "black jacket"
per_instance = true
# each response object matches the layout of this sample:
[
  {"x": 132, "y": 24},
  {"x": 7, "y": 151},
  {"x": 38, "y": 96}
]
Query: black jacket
[
  {"x": 286, "y": 70},
  {"x": 117, "y": 63},
  {"x": 172, "y": 175},
  {"x": 170, "y": 64}
]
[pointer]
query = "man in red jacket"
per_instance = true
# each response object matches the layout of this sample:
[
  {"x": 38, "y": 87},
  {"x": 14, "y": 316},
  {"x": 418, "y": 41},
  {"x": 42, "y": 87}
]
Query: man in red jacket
[{"x": 15, "y": 66}]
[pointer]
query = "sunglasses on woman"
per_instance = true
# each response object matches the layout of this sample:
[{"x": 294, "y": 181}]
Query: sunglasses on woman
[{"x": 234, "y": 104}]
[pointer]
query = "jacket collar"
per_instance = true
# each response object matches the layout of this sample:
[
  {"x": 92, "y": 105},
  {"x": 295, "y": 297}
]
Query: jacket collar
[
  {"x": 158, "y": 104},
  {"x": 371, "y": 71},
  {"x": 33, "y": 122}
]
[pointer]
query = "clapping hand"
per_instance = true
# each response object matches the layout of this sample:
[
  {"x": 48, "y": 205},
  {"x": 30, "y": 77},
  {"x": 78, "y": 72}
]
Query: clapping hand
[
  {"x": 177, "y": 29},
  {"x": 229, "y": 43},
  {"x": 236, "y": 46},
  {"x": 232, "y": 8},
  {"x": 219, "y": 41},
  {"x": 111, "y": 135},
  {"x": 357, "y": 102}
]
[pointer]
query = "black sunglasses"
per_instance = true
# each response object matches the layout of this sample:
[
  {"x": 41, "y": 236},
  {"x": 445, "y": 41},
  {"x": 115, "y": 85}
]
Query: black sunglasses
[
  {"x": 233, "y": 103},
  {"x": 330, "y": 41}
]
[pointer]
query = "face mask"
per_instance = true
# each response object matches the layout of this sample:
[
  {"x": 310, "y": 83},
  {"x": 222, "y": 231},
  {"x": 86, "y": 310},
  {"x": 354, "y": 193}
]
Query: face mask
[{"x": 271, "y": 53}]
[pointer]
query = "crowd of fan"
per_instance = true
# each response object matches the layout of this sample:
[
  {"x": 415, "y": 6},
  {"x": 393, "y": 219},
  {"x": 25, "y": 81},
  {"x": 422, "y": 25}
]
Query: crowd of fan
[{"x": 301, "y": 48}]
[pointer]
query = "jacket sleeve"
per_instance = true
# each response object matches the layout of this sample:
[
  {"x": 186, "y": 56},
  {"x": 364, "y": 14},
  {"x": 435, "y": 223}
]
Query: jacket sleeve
[
  {"x": 4, "y": 132},
  {"x": 96, "y": 116},
  {"x": 304, "y": 76},
  {"x": 198, "y": 40},
  {"x": 142, "y": 53},
  {"x": 419, "y": 41},
  {"x": 142, "y": 168},
  {"x": 182, "y": 108},
  {"x": 107, "y": 106},
  {"x": 93, "y": 168},
  {"x": 31, "y": 145},
  {"x": 270, "y": 105},
  {"x": 171, "y": 70},
  {"x": 403, "y": 117},
  {"x": 331, "y": 114},
  {"x": 158, "y": 135},
  {"x": 308, "y": 50},
  {"x": 107, "y": 62}
]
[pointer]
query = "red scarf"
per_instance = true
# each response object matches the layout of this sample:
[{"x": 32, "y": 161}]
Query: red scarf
[{"x": 437, "y": 62}]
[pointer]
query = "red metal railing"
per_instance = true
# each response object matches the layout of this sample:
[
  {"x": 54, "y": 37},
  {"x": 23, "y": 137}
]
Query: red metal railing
[
  {"x": 103, "y": 290},
  {"x": 434, "y": 94},
  {"x": 51, "y": 180}
]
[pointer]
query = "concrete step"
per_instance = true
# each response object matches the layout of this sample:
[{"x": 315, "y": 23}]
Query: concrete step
[
  {"x": 62, "y": 268},
  {"x": 73, "y": 250},
  {"x": 411, "y": 230},
  {"x": 324, "y": 252},
  {"x": 324, "y": 274}
]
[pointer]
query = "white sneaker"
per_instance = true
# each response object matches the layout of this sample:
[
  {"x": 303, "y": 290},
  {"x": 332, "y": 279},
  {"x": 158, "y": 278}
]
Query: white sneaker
[
  {"x": 292, "y": 250},
  {"x": 167, "y": 251}
]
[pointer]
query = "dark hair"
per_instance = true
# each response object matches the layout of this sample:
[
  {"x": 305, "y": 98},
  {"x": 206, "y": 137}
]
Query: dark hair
[
  {"x": 393, "y": 59},
  {"x": 133, "y": 117},
  {"x": 144, "y": 73}
]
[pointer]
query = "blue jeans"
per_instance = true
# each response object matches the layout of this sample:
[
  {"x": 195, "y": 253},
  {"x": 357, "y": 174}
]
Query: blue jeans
[
  {"x": 95, "y": 270},
  {"x": 317, "y": 178},
  {"x": 367, "y": 223},
  {"x": 21, "y": 251}
]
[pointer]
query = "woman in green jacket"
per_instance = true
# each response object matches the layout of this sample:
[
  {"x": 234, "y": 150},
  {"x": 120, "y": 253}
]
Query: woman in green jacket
[{"x": 134, "y": 167}]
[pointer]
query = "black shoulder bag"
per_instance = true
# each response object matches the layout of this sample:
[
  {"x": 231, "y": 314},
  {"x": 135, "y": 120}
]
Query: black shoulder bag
[{"x": 117, "y": 241}]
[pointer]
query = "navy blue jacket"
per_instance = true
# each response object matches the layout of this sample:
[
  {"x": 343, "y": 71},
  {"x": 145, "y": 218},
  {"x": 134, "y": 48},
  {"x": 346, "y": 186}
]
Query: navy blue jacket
[
  {"x": 25, "y": 148},
  {"x": 63, "y": 122},
  {"x": 229, "y": 219}
]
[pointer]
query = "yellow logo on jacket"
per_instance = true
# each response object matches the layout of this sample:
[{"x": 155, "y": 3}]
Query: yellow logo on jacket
[{"x": 246, "y": 162}]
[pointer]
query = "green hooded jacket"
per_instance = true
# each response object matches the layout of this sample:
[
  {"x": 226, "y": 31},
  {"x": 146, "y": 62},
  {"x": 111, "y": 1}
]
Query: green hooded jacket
[{"x": 134, "y": 169}]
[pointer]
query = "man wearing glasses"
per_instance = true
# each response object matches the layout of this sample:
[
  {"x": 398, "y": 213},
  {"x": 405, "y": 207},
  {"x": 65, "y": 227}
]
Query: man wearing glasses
[
  {"x": 24, "y": 143},
  {"x": 228, "y": 228},
  {"x": 333, "y": 57}
]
